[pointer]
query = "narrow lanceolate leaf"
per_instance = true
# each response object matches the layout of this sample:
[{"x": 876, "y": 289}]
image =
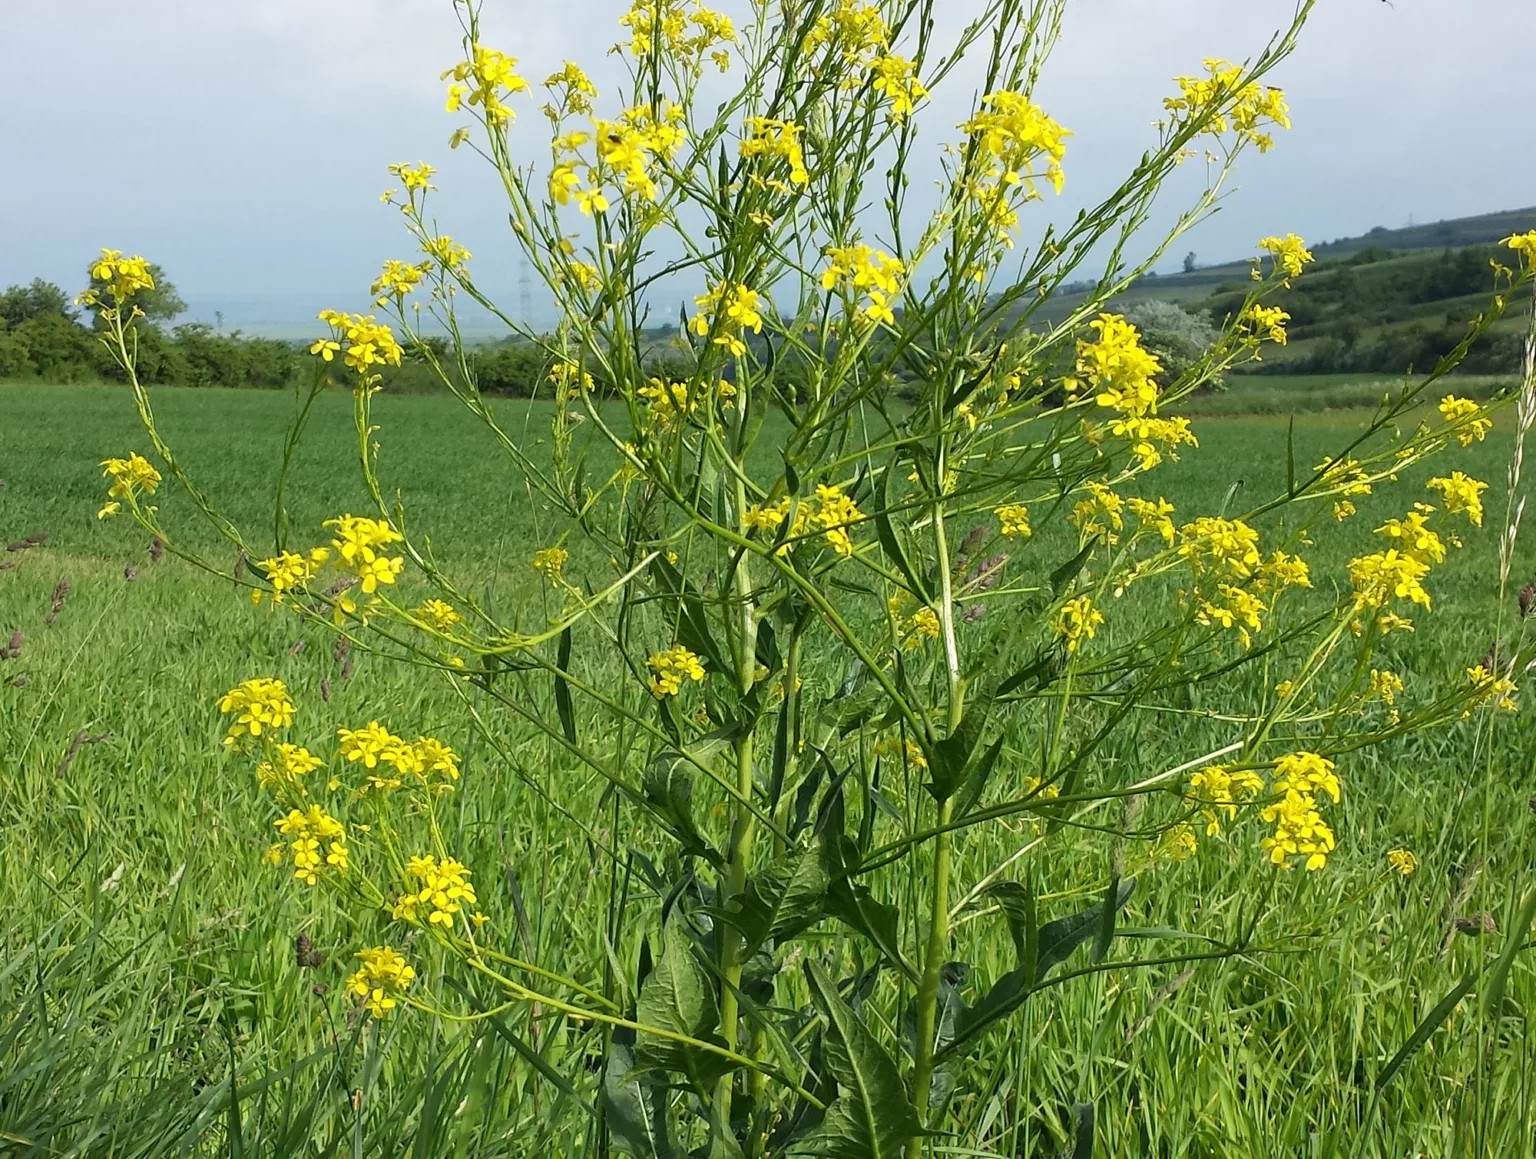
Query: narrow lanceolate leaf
[
  {"x": 891, "y": 544},
  {"x": 563, "y": 690},
  {"x": 872, "y": 1117},
  {"x": 679, "y": 997},
  {"x": 1493, "y": 990},
  {"x": 1051, "y": 945}
]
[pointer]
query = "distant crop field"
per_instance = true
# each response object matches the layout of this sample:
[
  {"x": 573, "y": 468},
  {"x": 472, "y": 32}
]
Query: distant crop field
[{"x": 147, "y": 954}]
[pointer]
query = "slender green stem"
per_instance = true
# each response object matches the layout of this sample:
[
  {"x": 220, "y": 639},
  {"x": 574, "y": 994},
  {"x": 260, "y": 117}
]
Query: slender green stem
[{"x": 938, "y": 909}]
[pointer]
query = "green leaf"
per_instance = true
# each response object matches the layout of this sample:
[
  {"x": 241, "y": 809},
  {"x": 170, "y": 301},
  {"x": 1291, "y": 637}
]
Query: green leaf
[
  {"x": 786, "y": 896},
  {"x": 891, "y": 544},
  {"x": 1492, "y": 996},
  {"x": 951, "y": 757},
  {"x": 872, "y": 1117},
  {"x": 853, "y": 905},
  {"x": 1082, "y": 1131},
  {"x": 1053, "y": 944},
  {"x": 692, "y": 620},
  {"x": 1059, "y": 938},
  {"x": 1106, "y": 928},
  {"x": 1017, "y": 901},
  {"x": 634, "y": 1108},
  {"x": 679, "y": 996},
  {"x": 668, "y": 793},
  {"x": 976, "y": 780},
  {"x": 563, "y": 689},
  {"x": 1067, "y": 572},
  {"x": 1290, "y": 457}
]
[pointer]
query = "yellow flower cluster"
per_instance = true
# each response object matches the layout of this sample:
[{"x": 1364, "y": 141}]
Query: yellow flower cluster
[
  {"x": 122, "y": 277},
  {"x": 130, "y": 477},
  {"x": 728, "y": 310},
  {"x": 1290, "y": 253},
  {"x": 1469, "y": 419},
  {"x": 1345, "y": 477},
  {"x": 1523, "y": 244},
  {"x": 1219, "y": 788},
  {"x": 257, "y": 705},
  {"x": 1386, "y": 684},
  {"x": 368, "y": 343},
  {"x": 1300, "y": 830},
  {"x": 548, "y": 561},
  {"x": 1460, "y": 493},
  {"x": 445, "y": 252},
  {"x": 1178, "y": 843},
  {"x": 853, "y": 29},
  {"x": 1386, "y": 575},
  {"x": 381, "y": 980},
  {"x": 668, "y": 403},
  {"x": 1075, "y": 621},
  {"x": 671, "y": 667},
  {"x": 875, "y": 272},
  {"x": 1402, "y": 861},
  {"x": 627, "y": 150},
  {"x": 1013, "y": 519},
  {"x": 285, "y": 772},
  {"x": 359, "y": 541},
  {"x": 1014, "y": 134},
  {"x": 1248, "y": 107},
  {"x": 1492, "y": 689},
  {"x": 1260, "y": 322},
  {"x": 427, "y": 761},
  {"x": 1224, "y": 556},
  {"x": 1115, "y": 364},
  {"x": 895, "y": 78},
  {"x": 832, "y": 513},
  {"x": 1220, "y": 548},
  {"x": 439, "y": 613},
  {"x": 776, "y": 141},
  {"x": 1123, "y": 372},
  {"x": 577, "y": 90},
  {"x": 920, "y": 627},
  {"x": 1155, "y": 515},
  {"x": 397, "y": 280},
  {"x": 441, "y": 890},
  {"x": 416, "y": 178},
  {"x": 287, "y": 571},
  {"x": 307, "y": 830},
  {"x": 1412, "y": 536},
  {"x": 896, "y": 747},
  {"x": 1102, "y": 513},
  {"x": 679, "y": 30},
  {"x": 486, "y": 79}
]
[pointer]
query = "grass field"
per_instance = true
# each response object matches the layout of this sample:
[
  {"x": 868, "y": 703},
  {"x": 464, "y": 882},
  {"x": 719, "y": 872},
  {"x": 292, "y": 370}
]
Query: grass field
[{"x": 148, "y": 966}]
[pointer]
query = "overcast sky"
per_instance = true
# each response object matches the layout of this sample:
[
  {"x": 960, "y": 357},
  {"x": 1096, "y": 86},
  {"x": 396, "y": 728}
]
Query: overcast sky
[{"x": 243, "y": 143}]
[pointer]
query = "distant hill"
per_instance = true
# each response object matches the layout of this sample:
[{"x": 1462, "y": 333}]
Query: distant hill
[
  {"x": 1453, "y": 234},
  {"x": 1378, "y": 303}
]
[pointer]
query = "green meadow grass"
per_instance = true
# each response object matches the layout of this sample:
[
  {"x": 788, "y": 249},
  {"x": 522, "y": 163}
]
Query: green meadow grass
[{"x": 151, "y": 1003}]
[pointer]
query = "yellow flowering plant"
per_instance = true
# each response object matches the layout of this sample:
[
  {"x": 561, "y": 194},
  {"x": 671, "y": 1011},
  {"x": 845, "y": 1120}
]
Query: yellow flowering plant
[{"x": 836, "y": 627}]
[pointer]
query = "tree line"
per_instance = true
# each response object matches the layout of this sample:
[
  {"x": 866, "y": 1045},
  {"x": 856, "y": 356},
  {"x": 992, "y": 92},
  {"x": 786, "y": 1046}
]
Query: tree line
[{"x": 45, "y": 338}]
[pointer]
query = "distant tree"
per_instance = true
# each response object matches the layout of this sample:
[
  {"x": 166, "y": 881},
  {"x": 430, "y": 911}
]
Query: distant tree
[
  {"x": 162, "y": 304},
  {"x": 1190, "y": 262},
  {"x": 1177, "y": 337},
  {"x": 20, "y": 304}
]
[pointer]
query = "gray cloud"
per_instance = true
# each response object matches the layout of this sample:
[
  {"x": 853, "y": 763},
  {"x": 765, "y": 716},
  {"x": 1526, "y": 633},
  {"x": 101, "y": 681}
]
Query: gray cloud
[{"x": 243, "y": 144}]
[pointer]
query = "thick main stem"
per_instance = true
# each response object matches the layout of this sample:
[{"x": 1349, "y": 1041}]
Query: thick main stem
[
  {"x": 933, "y": 965},
  {"x": 938, "y": 911},
  {"x": 730, "y": 944}
]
